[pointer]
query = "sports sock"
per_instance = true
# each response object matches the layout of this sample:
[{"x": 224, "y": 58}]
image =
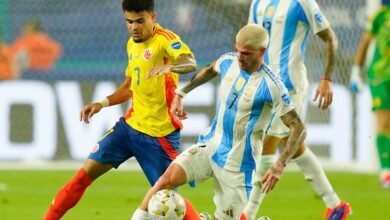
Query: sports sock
[
  {"x": 315, "y": 175},
  {"x": 140, "y": 214},
  {"x": 255, "y": 199},
  {"x": 69, "y": 195},
  {"x": 266, "y": 162},
  {"x": 383, "y": 147},
  {"x": 191, "y": 213}
]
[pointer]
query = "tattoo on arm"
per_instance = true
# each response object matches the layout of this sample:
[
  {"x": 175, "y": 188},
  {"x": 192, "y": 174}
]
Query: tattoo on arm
[
  {"x": 204, "y": 75},
  {"x": 296, "y": 138},
  {"x": 185, "y": 63},
  {"x": 331, "y": 44}
]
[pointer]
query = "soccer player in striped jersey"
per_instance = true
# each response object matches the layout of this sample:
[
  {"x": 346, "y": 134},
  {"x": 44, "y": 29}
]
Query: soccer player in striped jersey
[
  {"x": 148, "y": 132},
  {"x": 288, "y": 23},
  {"x": 229, "y": 150}
]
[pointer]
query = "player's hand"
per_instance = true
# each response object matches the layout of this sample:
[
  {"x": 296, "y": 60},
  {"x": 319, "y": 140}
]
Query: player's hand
[
  {"x": 324, "y": 94},
  {"x": 177, "y": 109},
  {"x": 89, "y": 110},
  {"x": 355, "y": 81},
  {"x": 158, "y": 71},
  {"x": 272, "y": 177}
]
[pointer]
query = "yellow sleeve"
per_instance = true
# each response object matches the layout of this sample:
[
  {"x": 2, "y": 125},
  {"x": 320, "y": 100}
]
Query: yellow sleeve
[
  {"x": 173, "y": 45},
  {"x": 128, "y": 68}
]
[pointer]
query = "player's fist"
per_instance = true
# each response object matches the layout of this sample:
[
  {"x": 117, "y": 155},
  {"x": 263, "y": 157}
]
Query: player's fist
[
  {"x": 89, "y": 110},
  {"x": 355, "y": 81}
]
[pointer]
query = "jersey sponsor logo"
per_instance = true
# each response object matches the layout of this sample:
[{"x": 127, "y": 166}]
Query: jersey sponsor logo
[
  {"x": 176, "y": 45},
  {"x": 147, "y": 54},
  {"x": 286, "y": 98}
]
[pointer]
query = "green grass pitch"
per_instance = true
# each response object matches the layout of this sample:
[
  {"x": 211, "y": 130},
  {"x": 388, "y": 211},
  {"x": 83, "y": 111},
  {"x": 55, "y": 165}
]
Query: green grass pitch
[{"x": 27, "y": 194}]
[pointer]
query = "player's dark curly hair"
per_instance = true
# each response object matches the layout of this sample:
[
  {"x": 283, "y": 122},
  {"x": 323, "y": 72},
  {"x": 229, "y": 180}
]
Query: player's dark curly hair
[{"x": 138, "y": 5}]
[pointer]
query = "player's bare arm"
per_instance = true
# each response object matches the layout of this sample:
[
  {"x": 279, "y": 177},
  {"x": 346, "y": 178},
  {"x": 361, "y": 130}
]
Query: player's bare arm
[
  {"x": 362, "y": 49},
  {"x": 204, "y": 75},
  {"x": 296, "y": 138},
  {"x": 324, "y": 93},
  {"x": 184, "y": 63},
  {"x": 122, "y": 94}
]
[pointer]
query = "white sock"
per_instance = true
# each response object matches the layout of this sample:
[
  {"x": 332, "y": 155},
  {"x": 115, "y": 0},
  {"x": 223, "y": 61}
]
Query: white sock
[
  {"x": 140, "y": 214},
  {"x": 266, "y": 162},
  {"x": 315, "y": 175},
  {"x": 255, "y": 199}
]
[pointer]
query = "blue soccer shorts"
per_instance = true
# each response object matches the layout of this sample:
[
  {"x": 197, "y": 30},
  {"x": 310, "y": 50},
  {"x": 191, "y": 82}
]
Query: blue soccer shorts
[{"x": 154, "y": 154}]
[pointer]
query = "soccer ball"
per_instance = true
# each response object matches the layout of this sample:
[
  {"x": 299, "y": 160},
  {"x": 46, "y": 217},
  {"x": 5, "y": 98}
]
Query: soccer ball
[{"x": 166, "y": 204}]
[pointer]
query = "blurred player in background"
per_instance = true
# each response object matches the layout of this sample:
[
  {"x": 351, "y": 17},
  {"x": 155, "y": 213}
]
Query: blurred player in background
[
  {"x": 41, "y": 51},
  {"x": 377, "y": 30},
  {"x": 8, "y": 65},
  {"x": 148, "y": 132},
  {"x": 288, "y": 23},
  {"x": 229, "y": 150}
]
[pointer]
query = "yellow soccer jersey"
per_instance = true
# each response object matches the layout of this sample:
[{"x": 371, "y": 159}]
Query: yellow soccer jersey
[{"x": 152, "y": 97}]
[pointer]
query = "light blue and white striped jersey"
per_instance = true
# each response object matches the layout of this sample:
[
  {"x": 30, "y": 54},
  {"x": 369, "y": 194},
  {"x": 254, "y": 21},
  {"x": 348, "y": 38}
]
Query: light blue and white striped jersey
[
  {"x": 288, "y": 23},
  {"x": 246, "y": 105}
]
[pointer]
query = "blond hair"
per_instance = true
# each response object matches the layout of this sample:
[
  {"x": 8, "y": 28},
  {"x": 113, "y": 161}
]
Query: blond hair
[{"x": 252, "y": 35}]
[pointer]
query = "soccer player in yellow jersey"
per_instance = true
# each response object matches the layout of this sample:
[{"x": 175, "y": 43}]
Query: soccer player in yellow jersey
[{"x": 148, "y": 132}]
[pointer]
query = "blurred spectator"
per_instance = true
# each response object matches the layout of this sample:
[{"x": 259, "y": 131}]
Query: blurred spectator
[
  {"x": 41, "y": 50},
  {"x": 378, "y": 75},
  {"x": 8, "y": 66}
]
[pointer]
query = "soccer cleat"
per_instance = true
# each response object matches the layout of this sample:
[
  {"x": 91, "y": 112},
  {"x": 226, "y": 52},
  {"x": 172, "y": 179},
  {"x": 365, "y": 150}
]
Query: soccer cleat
[
  {"x": 385, "y": 182},
  {"x": 204, "y": 216},
  {"x": 340, "y": 212}
]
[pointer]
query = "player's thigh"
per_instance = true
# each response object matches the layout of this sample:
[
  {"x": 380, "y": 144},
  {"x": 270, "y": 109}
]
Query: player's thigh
[
  {"x": 195, "y": 162},
  {"x": 383, "y": 121},
  {"x": 155, "y": 154},
  {"x": 277, "y": 127},
  {"x": 173, "y": 177},
  {"x": 111, "y": 149},
  {"x": 232, "y": 191}
]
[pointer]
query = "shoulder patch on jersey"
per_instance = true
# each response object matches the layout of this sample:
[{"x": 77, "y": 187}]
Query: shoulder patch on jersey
[{"x": 176, "y": 45}]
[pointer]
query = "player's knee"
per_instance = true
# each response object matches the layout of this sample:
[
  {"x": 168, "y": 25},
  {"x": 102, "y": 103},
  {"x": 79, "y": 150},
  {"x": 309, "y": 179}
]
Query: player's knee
[{"x": 166, "y": 181}]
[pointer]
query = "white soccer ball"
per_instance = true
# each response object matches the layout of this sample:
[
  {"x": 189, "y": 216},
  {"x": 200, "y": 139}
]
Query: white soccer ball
[{"x": 166, "y": 204}]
